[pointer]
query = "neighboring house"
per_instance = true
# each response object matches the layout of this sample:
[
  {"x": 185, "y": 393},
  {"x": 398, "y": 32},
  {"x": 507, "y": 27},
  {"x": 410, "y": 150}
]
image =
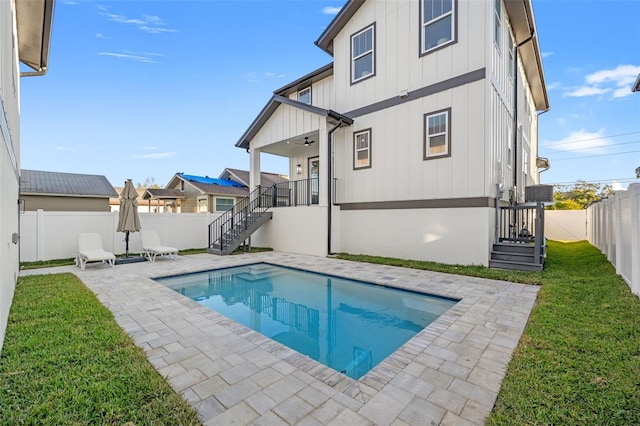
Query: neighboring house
[
  {"x": 25, "y": 33},
  {"x": 242, "y": 176},
  {"x": 54, "y": 191},
  {"x": 144, "y": 206},
  {"x": 414, "y": 137}
]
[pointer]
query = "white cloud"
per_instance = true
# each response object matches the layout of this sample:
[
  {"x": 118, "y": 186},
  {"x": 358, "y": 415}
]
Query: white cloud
[
  {"x": 273, "y": 75},
  {"x": 150, "y": 148},
  {"x": 149, "y": 23},
  {"x": 155, "y": 155},
  {"x": 329, "y": 10},
  {"x": 587, "y": 91},
  {"x": 581, "y": 140},
  {"x": 138, "y": 58},
  {"x": 617, "y": 186},
  {"x": 546, "y": 54},
  {"x": 62, "y": 148},
  {"x": 618, "y": 81}
]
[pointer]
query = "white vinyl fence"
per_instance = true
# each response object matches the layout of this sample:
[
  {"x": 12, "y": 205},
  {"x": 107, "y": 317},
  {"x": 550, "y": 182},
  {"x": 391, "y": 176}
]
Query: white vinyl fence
[
  {"x": 46, "y": 235},
  {"x": 565, "y": 225},
  {"x": 613, "y": 226}
]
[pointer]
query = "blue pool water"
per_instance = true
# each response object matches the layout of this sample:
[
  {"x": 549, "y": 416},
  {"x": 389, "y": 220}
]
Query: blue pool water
[{"x": 347, "y": 325}]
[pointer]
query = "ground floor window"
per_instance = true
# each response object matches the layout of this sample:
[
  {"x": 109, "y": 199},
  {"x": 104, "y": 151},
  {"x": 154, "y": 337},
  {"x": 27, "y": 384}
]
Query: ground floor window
[
  {"x": 224, "y": 204},
  {"x": 203, "y": 204},
  {"x": 362, "y": 149}
]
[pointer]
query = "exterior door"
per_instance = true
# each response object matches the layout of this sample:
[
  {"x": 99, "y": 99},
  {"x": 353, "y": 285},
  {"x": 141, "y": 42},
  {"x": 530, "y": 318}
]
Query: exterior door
[{"x": 314, "y": 173}]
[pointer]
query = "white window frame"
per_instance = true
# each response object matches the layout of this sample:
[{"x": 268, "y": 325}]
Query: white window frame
[
  {"x": 357, "y": 150},
  {"x": 497, "y": 23},
  {"x": 447, "y": 133},
  {"x": 371, "y": 52},
  {"x": 303, "y": 93},
  {"x": 199, "y": 204},
  {"x": 509, "y": 146},
  {"x": 215, "y": 203},
  {"x": 424, "y": 25},
  {"x": 511, "y": 53}
]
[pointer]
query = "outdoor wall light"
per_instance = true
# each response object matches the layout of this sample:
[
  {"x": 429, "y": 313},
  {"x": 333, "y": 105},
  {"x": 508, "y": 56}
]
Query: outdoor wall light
[{"x": 298, "y": 169}]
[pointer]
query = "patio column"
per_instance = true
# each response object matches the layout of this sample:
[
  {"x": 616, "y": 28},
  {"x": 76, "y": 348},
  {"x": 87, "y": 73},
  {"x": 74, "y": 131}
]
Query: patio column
[
  {"x": 254, "y": 169},
  {"x": 323, "y": 188}
]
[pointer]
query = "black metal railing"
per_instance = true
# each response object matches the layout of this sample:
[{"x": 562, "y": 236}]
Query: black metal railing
[
  {"x": 523, "y": 224},
  {"x": 304, "y": 192},
  {"x": 234, "y": 221}
]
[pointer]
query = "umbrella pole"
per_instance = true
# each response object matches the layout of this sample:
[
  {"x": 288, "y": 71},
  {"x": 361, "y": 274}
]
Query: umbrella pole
[{"x": 126, "y": 240}]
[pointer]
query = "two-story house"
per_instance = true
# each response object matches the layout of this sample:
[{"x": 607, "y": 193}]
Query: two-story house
[
  {"x": 25, "y": 34},
  {"x": 408, "y": 143}
]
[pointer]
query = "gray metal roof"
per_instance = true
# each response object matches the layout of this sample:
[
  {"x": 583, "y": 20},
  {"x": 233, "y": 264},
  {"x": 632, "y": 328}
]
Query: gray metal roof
[
  {"x": 36, "y": 182},
  {"x": 306, "y": 80}
]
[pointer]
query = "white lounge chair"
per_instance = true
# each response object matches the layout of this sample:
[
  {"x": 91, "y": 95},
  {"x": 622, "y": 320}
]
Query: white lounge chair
[
  {"x": 90, "y": 250},
  {"x": 151, "y": 246}
]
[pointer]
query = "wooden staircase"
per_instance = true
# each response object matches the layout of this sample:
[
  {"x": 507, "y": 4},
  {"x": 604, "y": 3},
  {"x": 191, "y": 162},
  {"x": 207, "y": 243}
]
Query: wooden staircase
[
  {"x": 521, "y": 244},
  {"x": 516, "y": 256}
]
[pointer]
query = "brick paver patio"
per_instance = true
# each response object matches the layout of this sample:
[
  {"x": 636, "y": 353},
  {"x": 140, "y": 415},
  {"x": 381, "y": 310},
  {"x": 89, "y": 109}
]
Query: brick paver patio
[{"x": 448, "y": 374}]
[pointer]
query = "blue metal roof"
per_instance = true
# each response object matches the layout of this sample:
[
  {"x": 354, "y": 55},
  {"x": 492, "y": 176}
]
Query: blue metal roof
[{"x": 211, "y": 181}]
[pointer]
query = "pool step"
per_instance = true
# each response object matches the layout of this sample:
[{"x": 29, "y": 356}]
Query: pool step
[{"x": 258, "y": 273}]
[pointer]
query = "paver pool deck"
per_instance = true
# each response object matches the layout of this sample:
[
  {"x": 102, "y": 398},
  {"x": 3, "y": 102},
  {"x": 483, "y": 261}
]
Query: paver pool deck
[{"x": 448, "y": 374}]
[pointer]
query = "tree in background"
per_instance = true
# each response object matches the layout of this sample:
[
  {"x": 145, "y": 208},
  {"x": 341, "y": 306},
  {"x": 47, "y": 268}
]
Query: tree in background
[
  {"x": 148, "y": 183},
  {"x": 578, "y": 195},
  {"x": 638, "y": 172}
]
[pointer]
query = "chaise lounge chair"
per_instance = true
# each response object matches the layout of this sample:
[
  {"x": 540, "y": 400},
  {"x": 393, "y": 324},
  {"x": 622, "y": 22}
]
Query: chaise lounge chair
[
  {"x": 90, "y": 250},
  {"x": 151, "y": 246}
]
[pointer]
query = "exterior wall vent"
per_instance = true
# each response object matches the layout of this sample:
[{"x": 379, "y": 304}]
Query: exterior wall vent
[{"x": 538, "y": 193}]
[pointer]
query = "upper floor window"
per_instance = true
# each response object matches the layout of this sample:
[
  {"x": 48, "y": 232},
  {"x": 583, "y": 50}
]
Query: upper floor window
[
  {"x": 224, "y": 204},
  {"x": 181, "y": 185},
  {"x": 363, "y": 60},
  {"x": 509, "y": 147},
  {"x": 304, "y": 96},
  {"x": 497, "y": 25},
  {"x": 437, "y": 134},
  {"x": 362, "y": 149},
  {"x": 437, "y": 23}
]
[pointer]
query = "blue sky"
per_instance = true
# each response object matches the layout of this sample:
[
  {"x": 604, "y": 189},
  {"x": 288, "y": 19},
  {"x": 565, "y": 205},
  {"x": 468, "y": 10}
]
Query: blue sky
[{"x": 145, "y": 89}]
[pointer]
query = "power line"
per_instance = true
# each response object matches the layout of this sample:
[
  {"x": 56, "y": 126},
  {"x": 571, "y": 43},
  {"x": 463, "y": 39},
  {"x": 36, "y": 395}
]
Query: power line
[
  {"x": 592, "y": 139},
  {"x": 593, "y": 156},
  {"x": 600, "y": 182},
  {"x": 605, "y": 146}
]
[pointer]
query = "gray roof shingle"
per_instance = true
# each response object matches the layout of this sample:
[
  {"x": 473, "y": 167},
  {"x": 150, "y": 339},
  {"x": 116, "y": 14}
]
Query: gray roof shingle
[{"x": 55, "y": 183}]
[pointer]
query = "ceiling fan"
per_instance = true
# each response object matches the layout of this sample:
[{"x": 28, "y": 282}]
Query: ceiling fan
[{"x": 307, "y": 142}]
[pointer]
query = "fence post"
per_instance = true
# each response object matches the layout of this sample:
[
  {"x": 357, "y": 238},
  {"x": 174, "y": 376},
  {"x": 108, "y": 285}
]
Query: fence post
[
  {"x": 617, "y": 232},
  {"x": 634, "y": 199},
  {"x": 40, "y": 235}
]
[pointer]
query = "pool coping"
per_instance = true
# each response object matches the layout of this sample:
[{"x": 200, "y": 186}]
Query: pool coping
[{"x": 449, "y": 373}]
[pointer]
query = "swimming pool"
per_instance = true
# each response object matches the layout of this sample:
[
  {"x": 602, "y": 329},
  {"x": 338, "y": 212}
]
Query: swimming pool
[{"x": 348, "y": 325}]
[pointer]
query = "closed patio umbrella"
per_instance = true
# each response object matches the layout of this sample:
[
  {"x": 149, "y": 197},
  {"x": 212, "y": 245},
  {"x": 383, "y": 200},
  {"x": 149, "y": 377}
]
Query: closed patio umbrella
[{"x": 128, "y": 220}]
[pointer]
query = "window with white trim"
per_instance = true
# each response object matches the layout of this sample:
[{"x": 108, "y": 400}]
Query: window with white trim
[
  {"x": 497, "y": 24},
  {"x": 304, "y": 96},
  {"x": 525, "y": 165},
  {"x": 362, "y": 149},
  {"x": 224, "y": 204},
  {"x": 437, "y": 134},
  {"x": 437, "y": 23},
  {"x": 363, "y": 60},
  {"x": 203, "y": 204},
  {"x": 509, "y": 147},
  {"x": 511, "y": 57}
]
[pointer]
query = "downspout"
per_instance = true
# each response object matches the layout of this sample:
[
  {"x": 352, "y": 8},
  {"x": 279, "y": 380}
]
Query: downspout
[
  {"x": 515, "y": 117},
  {"x": 330, "y": 182}
]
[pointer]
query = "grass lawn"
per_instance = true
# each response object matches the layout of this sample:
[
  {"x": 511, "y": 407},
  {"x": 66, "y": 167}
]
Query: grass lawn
[
  {"x": 578, "y": 362},
  {"x": 66, "y": 361}
]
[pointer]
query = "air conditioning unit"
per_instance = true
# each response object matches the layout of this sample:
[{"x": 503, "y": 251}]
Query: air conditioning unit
[{"x": 542, "y": 193}]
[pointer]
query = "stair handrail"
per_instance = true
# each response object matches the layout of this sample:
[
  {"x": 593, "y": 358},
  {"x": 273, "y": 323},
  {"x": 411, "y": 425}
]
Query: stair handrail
[{"x": 243, "y": 213}]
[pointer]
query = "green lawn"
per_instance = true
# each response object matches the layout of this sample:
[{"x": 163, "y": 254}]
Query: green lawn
[
  {"x": 66, "y": 361},
  {"x": 578, "y": 362}
]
